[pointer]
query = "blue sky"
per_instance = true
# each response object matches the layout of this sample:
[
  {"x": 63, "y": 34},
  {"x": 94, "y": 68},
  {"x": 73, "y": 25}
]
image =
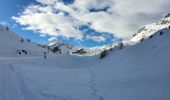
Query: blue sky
[
  {"x": 9, "y": 8},
  {"x": 86, "y": 23}
]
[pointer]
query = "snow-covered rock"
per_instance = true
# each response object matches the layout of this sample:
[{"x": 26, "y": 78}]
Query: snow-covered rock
[{"x": 148, "y": 30}]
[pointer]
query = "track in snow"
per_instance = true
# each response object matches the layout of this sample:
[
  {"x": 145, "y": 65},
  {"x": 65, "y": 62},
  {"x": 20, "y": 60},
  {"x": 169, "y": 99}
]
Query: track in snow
[
  {"x": 93, "y": 87},
  {"x": 9, "y": 88},
  {"x": 12, "y": 86}
]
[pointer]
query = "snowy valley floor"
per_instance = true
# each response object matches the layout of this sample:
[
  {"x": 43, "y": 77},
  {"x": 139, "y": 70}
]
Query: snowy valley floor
[{"x": 139, "y": 72}]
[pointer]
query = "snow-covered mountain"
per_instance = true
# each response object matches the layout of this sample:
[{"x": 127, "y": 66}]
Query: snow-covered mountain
[
  {"x": 136, "y": 72},
  {"x": 14, "y": 44},
  {"x": 65, "y": 48},
  {"x": 60, "y": 47},
  {"x": 11, "y": 44},
  {"x": 148, "y": 30}
]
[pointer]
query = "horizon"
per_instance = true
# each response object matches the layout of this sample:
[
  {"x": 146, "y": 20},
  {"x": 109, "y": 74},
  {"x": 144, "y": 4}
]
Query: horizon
[{"x": 81, "y": 23}]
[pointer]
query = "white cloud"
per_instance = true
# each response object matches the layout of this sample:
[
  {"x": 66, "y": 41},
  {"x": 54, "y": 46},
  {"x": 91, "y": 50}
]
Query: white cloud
[
  {"x": 52, "y": 39},
  {"x": 47, "y": 2},
  {"x": 122, "y": 18},
  {"x": 45, "y": 21},
  {"x": 4, "y": 23},
  {"x": 96, "y": 38},
  {"x": 88, "y": 4}
]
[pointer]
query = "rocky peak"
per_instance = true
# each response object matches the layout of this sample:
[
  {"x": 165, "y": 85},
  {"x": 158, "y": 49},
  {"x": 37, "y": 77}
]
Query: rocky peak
[{"x": 167, "y": 16}]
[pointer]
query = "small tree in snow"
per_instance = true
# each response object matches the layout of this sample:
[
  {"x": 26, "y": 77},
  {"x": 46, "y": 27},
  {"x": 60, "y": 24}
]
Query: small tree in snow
[
  {"x": 45, "y": 55},
  {"x": 7, "y": 28},
  {"x": 161, "y": 33},
  {"x": 29, "y": 40},
  {"x": 151, "y": 36},
  {"x": 22, "y": 40},
  {"x": 56, "y": 49},
  {"x": 120, "y": 45}
]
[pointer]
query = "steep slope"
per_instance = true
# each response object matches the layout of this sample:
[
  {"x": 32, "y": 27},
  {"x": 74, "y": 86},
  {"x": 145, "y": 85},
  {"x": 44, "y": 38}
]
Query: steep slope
[
  {"x": 11, "y": 44},
  {"x": 148, "y": 30}
]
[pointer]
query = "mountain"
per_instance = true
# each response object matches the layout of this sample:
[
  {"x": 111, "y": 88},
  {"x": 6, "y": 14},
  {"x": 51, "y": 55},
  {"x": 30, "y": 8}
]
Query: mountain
[
  {"x": 148, "y": 30},
  {"x": 143, "y": 33},
  {"x": 60, "y": 47},
  {"x": 136, "y": 72},
  {"x": 11, "y": 44}
]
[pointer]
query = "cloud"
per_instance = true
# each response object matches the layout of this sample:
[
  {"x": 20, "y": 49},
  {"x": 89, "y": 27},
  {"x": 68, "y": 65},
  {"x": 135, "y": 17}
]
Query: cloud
[
  {"x": 49, "y": 21},
  {"x": 96, "y": 38},
  {"x": 4, "y": 23},
  {"x": 121, "y": 18},
  {"x": 47, "y": 2},
  {"x": 52, "y": 39}
]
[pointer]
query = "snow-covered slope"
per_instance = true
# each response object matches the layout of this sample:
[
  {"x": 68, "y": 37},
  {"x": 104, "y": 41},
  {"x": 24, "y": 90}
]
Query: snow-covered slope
[
  {"x": 11, "y": 44},
  {"x": 136, "y": 72},
  {"x": 148, "y": 30}
]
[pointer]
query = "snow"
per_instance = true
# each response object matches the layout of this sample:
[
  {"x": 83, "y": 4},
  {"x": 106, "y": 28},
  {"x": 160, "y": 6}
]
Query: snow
[
  {"x": 136, "y": 72},
  {"x": 148, "y": 30},
  {"x": 10, "y": 43}
]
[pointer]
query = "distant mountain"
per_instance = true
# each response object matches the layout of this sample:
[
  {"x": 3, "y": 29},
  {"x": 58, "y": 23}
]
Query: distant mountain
[{"x": 60, "y": 47}]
